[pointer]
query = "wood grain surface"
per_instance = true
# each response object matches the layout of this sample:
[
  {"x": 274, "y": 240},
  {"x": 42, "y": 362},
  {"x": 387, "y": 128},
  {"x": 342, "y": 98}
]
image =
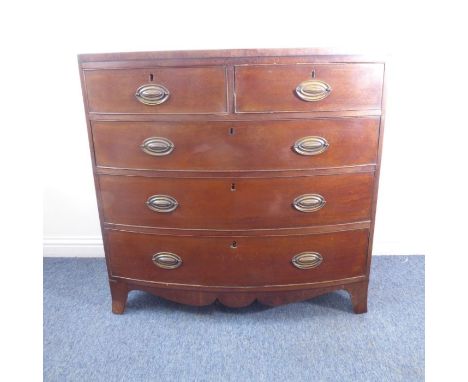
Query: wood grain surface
[
  {"x": 237, "y": 146},
  {"x": 271, "y": 88},
  {"x": 192, "y": 90},
  {"x": 233, "y": 117},
  {"x": 253, "y": 261},
  {"x": 254, "y": 203}
]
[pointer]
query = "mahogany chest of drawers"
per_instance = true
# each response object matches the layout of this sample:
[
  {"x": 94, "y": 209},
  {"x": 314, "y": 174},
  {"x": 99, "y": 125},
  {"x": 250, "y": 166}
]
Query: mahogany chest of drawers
[{"x": 235, "y": 175}]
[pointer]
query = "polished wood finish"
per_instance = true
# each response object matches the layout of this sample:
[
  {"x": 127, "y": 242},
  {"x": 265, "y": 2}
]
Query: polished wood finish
[
  {"x": 119, "y": 293},
  {"x": 236, "y": 146},
  {"x": 238, "y": 261},
  {"x": 136, "y": 59},
  {"x": 312, "y": 230},
  {"x": 192, "y": 90},
  {"x": 271, "y": 88},
  {"x": 234, "y": 116},
  {"x": 358, "y": 293},
  {"x": 237, "y": 203},
  {"x": 132, "y": 117},
  {"x": 238, "y": 299},
  {"x": 236, "y": 174}
]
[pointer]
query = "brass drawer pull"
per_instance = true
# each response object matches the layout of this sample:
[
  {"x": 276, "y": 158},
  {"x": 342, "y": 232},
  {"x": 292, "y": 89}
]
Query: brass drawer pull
[
  {"x": 167, "y": 260},
  {"x": 162, "y": 203},
  {"x": 152, "y": 94},
  {"x": 313, "y": 90},
  {"x": 157, "y": 146},
  {"x": 311, "y": 145},
  {"x": 309, "y": 202},
  {"x": 307, "y": 260}
]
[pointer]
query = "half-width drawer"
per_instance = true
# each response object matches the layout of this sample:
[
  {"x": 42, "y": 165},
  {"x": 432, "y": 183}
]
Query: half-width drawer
[
  {"x": 237, "y": 146},
  {"x": 238, "y": 261},
  {"x": 243, "y": 203},
  {"x": 158, "y": 90},
  {"x": 308, "y": 87}
]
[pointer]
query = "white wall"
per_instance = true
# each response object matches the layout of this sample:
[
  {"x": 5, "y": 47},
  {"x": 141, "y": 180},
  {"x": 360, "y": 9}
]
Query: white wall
[{"x": 71, "y": 224}]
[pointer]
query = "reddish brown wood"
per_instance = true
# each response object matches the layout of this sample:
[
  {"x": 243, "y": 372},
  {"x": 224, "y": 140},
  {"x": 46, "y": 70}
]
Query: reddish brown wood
[
  {"x": 237, "y": 174},
  {"x": 312, "y": 230},
  {"x": 93, "y": 161},
  {"x": 238, "y": 261},
  {"x": 239, "y": 299},
  {"x": 230, "y": 55},
  {"x": 255, "y": 203},
  {"x": 259, "y": 84},
  {"x": 236, "y": 146},
  {"x": 377, "y": 177},
  {"x": 192, "y": 90},
  {"x": 358, "y": 293},
  {"x": 190, "y": 117},
  {"x": 271, "y": 88},
  {"x": 119, "y": 293}
]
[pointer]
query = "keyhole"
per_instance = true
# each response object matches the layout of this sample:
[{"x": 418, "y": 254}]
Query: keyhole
[
  {"x": 233, "y": 187},
  {"x": 234, "y": 244},
  {"x": 151, "y": 77},
  {"x": 313, "y": 73},
  {"x": 231, "y": 131}
]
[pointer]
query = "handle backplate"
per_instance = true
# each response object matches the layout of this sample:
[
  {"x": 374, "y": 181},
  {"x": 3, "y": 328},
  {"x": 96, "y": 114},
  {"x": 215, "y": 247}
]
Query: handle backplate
[
  {"x": 157, "y": 146},
  {"x": 309, "y": 202},
  {"x": 162, "y": 203},
  {"x": 313, "y": 90},
  {"x": 307, "y": 260},
  {"x": 152, "y": 94},
  {"x": 310, "y": 145},
  {"x": 167, "y": 260}
]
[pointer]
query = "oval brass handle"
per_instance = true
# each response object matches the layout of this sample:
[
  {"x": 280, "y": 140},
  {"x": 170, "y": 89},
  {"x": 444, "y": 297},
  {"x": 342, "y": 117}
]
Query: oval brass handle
[
  {"x": 313, "y": 90},
  {"x": 309, "y": 202},
  {"x": 311, "y": 145},
  {"x": 167, "y": 260},
  {"x": 162, "y": 203},
  {"x": 307, "y": 260},
  {"x": 157, "y": 146},
  {"x": 152, "y": 94}
]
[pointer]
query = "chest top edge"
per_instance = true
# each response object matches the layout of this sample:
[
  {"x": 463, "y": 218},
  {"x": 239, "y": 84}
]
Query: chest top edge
[{"x": 319, "y": 54}]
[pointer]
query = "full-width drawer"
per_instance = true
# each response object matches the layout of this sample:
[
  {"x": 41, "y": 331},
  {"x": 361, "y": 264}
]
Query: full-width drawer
[
  {"x": 243, "y": 203},
  {"x": 253, "y": 145},
  {"x": 238, "y": 261},
  {"x": 308, "y": 87},
  {"x": 157, "y": 90}
]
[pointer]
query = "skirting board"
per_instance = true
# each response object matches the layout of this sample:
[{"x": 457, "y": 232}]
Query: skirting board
[
  {"x": 91, "y": 246},
  {"x": 73, "y": 246}
]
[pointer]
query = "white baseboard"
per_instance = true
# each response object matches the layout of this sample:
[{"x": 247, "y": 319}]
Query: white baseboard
[
  {"x": 73, "y": 246},
  {"x": 91, "y": 246}
]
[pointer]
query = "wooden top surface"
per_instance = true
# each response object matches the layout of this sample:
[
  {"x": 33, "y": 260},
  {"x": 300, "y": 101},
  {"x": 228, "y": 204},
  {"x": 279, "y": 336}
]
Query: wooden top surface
[{"x": 329, "y": 53}]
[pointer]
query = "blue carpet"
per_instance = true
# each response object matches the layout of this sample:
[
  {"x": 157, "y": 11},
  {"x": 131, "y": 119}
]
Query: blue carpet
[{"x": 156, "y": 340}]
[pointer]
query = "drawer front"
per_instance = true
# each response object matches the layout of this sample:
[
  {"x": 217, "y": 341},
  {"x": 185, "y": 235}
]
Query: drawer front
[
  {"x": 168, "y": 90},
  {"x": 223, "y": 203},
  {"x": 260, "y": 145},
  {"x": 238, "y": 261},
  {"x": 308, "y": 87}
]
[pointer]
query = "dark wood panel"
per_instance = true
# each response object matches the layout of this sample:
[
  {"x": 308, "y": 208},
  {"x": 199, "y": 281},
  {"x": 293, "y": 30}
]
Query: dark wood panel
[
  {"x": 236, "y": 146},
  {"x": 377, "y": 177},
  {"x": 270, "y": 88},
  {"x": 240, "y": 296},
  {"x": 242, "y": 214},
  {"x": 255, "y": 261},
  {"x": 132, "y": 117},
  {"x": 236, "y": 174},
  {"x": 192, "y": 90},
  {"x": 294, "y": 232},
  {"x": 325, "y": 54},
  {"x": 255, "y": 203}
]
